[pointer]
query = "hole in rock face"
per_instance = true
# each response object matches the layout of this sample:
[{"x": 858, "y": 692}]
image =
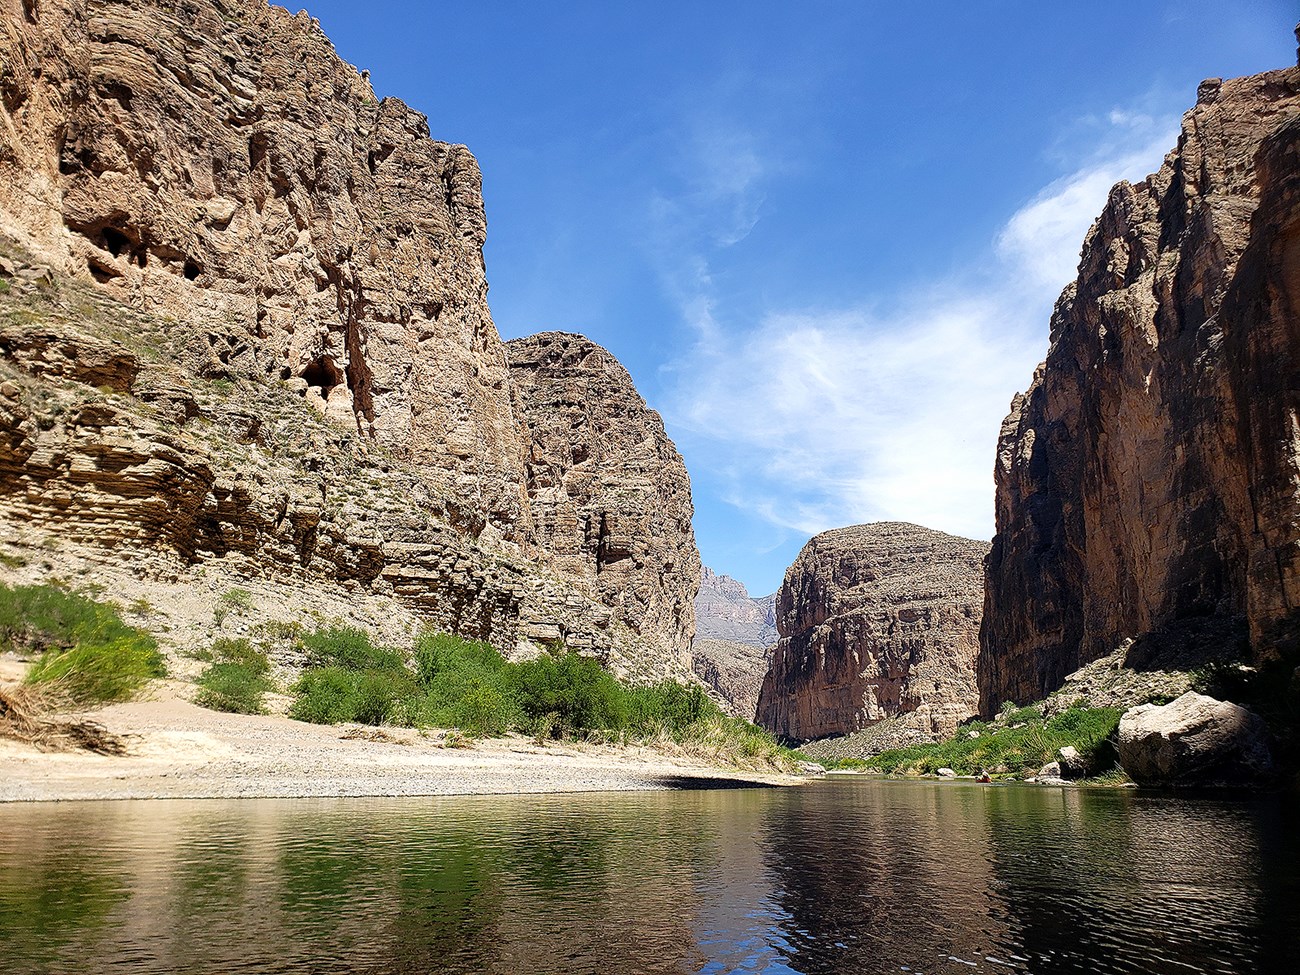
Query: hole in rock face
[
  {"x": 192, "y": 270},
  {"x": 324, "y": 373},
  {"x": 115, "y": 241},
  {"x": 102, "y": 274}
]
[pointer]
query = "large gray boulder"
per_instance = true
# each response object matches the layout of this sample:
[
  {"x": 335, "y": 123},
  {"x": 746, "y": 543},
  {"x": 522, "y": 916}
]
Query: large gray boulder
[{"x": 1194, "y": 741}]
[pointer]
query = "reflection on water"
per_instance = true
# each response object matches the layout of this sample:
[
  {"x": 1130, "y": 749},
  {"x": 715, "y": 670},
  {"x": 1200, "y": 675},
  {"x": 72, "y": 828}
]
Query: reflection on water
[{"x": 840, "y": 877}]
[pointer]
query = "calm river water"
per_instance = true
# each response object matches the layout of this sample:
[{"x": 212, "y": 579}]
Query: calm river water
[{"x": 839, "y": 877}]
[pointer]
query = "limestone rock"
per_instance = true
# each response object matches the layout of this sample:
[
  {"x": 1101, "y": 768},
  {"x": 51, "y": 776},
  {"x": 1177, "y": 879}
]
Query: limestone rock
[
  {"x": 216, "y": 168},
  {"x": 1071, "y": 765},
  {"x": 734, "y": 670},
  {"x": 1192, "y": 741},
  {"x": 218, "y": 163},
  {"x": 1148, "y": 476},
  {"x": 724, "y": 610},
  {"x": 610, "y": 496},
  {"x": 876, "y": 621}
]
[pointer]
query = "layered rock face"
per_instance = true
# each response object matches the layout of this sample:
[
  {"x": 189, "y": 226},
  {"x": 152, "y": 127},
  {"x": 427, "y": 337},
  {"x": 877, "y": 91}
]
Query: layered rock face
[
  {"x": 733, "y": 632},
  {"x": 724, "y": 610},
  {"x": 217, "y": 162},
  {"x": 876, "y": 621},
  {"x": 609, "y": 493},
  {"x": 1150, "y": 476},
  {"x": 735, "y": 671},
  {"x": 215, "y": 167}
]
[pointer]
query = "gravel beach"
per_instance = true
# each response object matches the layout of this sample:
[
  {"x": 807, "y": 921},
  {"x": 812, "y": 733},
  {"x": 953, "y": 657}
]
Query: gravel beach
[{"x": 177, "y": 750}]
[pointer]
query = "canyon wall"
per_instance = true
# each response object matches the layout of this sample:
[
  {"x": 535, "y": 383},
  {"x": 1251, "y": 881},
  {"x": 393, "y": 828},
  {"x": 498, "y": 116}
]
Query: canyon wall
[
  {"x": 724, "y": 610},
  {"x": 1149, "y": 479},
  {"x": 214, "y": 166},
  {"x": 733, "y": 634},
  {"x": 875, "y": 621},
  {"x": 609, "y": 494}
]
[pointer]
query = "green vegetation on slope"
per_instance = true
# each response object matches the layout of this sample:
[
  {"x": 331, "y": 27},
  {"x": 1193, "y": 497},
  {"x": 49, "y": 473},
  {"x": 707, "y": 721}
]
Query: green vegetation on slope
[
  {"x": 1020, "y": 743},
  {"x": 236, "y": 680},
  {"x": 469, "y": 686},
  {"x": 87, "y": 654}
]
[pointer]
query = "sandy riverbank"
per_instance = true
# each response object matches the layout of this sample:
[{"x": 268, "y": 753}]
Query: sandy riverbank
[{"x": 177, "y": 750}]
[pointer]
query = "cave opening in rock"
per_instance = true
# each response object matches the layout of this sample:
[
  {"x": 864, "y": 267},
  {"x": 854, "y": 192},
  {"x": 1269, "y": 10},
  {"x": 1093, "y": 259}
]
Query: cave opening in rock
[
  {"x": 115, "y": 241},
  {"x": 324, "y": 373}
]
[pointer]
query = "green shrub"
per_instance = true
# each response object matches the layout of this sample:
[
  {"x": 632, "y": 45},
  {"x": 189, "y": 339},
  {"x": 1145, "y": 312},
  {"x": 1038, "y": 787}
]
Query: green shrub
[
  {"x": 468, "y": 686},
  {"x": 234, "y": 688},
  {"x": 463, "y": 684},
  {"x": 324, "y": 696},
  {"x": 667, "y": 707},
  {"x": 572, "y": 693},
  {"x": 1015, "y": 751},
  {"x": 233, "y": 600},
  {"x": 243, "y": 653},
  {"x": 95, "y": 673},
  {"x": 328, "y": 695},
  {"x": 349, "y": 648},
  {"x": 85, "y": 648},
  {"x": 237, "y": 680}
]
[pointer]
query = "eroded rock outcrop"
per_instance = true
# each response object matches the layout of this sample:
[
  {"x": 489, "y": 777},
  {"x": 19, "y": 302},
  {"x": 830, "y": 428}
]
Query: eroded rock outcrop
[
  {"x": 733, "y": 636},
  {"x": 1149, "y": 476},
  {"x": 609, "y": 493},
  {"x": 735, "y": 671},
  {"x": 724, "y": 610},
  {"x": 876, "y": 621},
  {"x": 213, "y": 173},
  {"x": 217, "y": 163}
]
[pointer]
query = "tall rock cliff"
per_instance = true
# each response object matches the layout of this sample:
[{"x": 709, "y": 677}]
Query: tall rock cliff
[
  {"x": 724, "y": 610},
  {"x": 609, "y": 493},
  {"x": 1150, "y": 476},
  {"x": 217, "y": 162},
  {"x": 876, "y": 621},
  {"x": 215, "y": 167},
  {"x": 733, "y": 635}
]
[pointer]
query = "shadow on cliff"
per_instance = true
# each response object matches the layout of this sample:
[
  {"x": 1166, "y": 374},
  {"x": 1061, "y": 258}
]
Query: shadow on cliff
[{"x": 1191, "y": 644}]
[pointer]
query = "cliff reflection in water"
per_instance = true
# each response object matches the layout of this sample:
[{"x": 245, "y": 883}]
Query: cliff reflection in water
[
  {"x": 848, "y": 877},
  {"x": 914, "y": 876}
]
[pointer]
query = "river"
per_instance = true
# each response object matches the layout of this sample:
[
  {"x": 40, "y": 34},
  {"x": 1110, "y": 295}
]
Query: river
[{"x": 846, "y": 876}]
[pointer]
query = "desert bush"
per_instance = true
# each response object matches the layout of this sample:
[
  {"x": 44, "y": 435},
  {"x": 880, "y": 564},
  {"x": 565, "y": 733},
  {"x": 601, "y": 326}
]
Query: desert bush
[
  {"x": 234, "y": 600},
  {"x": 85, "y": 649},
  {"x": 237, "y": 680},
  {"x": 572, "y": 694},
  {"x": 468, "y": 686},
  {"x": 349, "y": 648}
]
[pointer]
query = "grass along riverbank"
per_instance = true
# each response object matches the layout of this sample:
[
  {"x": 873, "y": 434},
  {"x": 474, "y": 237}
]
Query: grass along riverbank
[
  {"x": 87, "y": 656},
  {"x": 1016, "y": 744}
]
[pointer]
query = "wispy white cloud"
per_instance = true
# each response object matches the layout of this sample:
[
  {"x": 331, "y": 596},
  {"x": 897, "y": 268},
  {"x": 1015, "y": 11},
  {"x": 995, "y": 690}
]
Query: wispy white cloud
[{"x": 818, "y": 418}]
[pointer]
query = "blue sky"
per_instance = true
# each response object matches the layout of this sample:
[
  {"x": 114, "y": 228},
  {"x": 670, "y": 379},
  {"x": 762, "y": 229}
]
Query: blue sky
[{"x": 823, "y": 237}]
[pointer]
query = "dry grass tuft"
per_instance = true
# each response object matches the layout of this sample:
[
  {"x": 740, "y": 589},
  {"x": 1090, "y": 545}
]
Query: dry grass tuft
[{"x": 27, "y": 714}]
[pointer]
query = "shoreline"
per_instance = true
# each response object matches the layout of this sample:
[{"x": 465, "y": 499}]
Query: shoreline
[{"x": 176, "y": 750}]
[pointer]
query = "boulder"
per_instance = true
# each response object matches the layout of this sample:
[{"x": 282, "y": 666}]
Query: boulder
[
  {"x": 1071, "y": 765},
  {"x": 1194, "y": 741}
]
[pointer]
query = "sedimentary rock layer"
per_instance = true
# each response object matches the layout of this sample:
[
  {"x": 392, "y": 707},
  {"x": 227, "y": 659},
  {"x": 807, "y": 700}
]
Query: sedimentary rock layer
[
  {"x": 1150, "y": 476},
  {"x": 610, "y": 497},
  {"x": 735, "y": 671},
  {"x": 876, "y": 621},
  {"x": 218, "y": 163},
  {"x": 215, "y": 165},
  {"x": 724, "y": 610}
]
